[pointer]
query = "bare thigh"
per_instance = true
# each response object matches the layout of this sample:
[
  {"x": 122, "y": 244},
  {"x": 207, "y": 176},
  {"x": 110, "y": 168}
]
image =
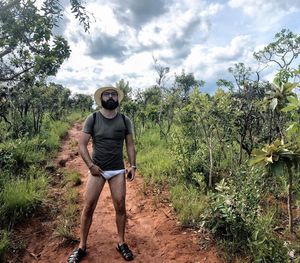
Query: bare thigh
[
  {"x": 93, "y": 189},
  {"x": 117, "y": 187}
]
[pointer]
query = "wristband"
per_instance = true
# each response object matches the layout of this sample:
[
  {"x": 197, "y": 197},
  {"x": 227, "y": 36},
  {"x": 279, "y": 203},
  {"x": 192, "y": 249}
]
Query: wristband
[
  {"x": 133, "y": 166},
  {"x": 91, "y": 166}
]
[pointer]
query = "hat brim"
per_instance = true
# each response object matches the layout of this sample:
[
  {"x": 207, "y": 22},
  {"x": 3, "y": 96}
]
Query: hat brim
[{"x": 98, "y": 92}]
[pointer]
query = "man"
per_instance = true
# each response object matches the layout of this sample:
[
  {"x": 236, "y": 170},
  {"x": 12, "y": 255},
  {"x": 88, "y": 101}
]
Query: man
[{"x": 109, "y": 129}]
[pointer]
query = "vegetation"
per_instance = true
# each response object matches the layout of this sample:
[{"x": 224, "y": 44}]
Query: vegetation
[
  {"x": 34, "y": 114},
  {"x": 68, "y": 219},
  {"x": 231, "y": 159}
]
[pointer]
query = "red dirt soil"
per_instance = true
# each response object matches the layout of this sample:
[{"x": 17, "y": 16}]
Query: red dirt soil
[{"x": 153, "y": 232}]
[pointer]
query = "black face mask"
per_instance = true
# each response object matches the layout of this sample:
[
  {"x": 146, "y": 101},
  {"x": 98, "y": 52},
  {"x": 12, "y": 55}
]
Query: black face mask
[{"x": 110, "y": 104}]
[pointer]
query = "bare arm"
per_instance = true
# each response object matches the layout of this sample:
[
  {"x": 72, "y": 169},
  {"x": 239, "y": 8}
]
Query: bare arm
[
  {"x": 131, "y": 153},
  {"x": 83, "y": 150}
]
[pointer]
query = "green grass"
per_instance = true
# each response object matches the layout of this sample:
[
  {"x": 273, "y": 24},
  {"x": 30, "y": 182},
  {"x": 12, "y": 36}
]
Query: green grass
[
  {"x": 72, "y": 196},
  {"x": 158, "y": 166},
  {"x": 69, "y": 216},
  {"x": 65, "y": 230},
  {"x": 53, "y": 133},
  {"x": 72, "y": 177},
  {"x": 155, "y": 161},
  {"x": 77, "y": 116},
  {"x": 4, "y": 244},
  {"x": 19, "y": 197},
  {"x": 189, "y": 203},
  {"x": 23, "y": 182}
]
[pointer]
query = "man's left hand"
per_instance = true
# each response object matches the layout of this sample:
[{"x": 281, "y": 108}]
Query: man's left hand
[{"x": 131, "y": 174}]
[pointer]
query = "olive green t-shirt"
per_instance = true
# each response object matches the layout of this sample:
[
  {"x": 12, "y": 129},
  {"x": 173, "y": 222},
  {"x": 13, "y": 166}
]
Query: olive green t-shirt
[{"x": 108, "y": 140}]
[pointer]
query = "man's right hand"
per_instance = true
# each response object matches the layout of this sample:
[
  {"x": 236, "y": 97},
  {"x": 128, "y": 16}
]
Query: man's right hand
[{"x": 95, "y": 170}]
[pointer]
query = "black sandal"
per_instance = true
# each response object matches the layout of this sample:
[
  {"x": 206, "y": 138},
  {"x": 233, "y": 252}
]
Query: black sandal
[
  {"x": 125, "y": 252},
  {"x": 76, "y": 256}
]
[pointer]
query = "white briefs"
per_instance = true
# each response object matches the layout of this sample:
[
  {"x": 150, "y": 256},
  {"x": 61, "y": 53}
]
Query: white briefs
[{"x": 110, "y": 174}]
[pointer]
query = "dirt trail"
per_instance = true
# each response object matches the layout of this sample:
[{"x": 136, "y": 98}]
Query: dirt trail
[{"x": 153, "y": 232}]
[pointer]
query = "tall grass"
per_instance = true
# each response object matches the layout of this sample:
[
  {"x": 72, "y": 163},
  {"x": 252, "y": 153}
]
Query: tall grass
[
  {"x": 71, "y": 177},
  {"x": 69, "y": 216},
  {"x": 157, "y": 165},
  {"x": 4, "y": 244},
  {"x": 20, "y": 197},
  {"x": 154, "y": 158},
  {"x": 189, "y": 203}
]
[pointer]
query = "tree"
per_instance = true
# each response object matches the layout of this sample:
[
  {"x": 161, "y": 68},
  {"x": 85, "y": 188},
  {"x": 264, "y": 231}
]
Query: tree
[
  {"x": 246, "y": 93},
  {"x": 127, "y": 90},
  {"x": 162, "y": 72},
  {"x": 82, "y": 102},
  {"x": 282, "y": 52},
  {"x": 186, "y": 83},
  {"x": 26, "y": 41},
  {"x": 280, "y": 153}
]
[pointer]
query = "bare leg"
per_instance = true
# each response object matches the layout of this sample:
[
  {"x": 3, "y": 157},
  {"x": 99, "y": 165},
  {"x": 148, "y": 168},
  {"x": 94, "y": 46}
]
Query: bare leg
[
  {"x": 93, "y": 189},
  {"x": 117, "y": 187}
]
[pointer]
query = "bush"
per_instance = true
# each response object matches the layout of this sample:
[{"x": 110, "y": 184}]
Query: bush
[
  {"x": 16, "y": 155},
  {"x": 263, "y": 244},
  {"x": 226, "y": 220},
  {"x": 235, "y": 218}
]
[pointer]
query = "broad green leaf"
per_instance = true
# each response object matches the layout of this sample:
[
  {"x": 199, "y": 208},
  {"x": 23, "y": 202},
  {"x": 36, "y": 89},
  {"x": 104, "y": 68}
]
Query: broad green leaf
[
  {"x": 292, "y": 129},
  {"x": 256, "y": 160},
  {"x": 293, "y": 99},
  {"x": 257, "y": 152},
  {"x": 290, "y": 107},
  {"x": 288, "y": 87}
]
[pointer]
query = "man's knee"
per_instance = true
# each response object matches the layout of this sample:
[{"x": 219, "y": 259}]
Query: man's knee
[
  {"x": 120, "y": 207},
  {"x": 89, "y": 208}
]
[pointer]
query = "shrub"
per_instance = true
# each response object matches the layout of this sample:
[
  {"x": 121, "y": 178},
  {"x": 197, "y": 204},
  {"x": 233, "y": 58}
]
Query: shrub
[
  {"x": 235, "y": 218},
  {"x": 263, "y": 244},
  {"x": 16, "y": 155}
]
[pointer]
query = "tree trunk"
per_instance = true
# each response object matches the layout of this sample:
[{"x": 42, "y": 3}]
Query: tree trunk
[
  {"x": 270, "y": 127},
  {"x": 290, "y": 198},
  {"x": 241, "y": 150},
  {"x": 211, "y": 162}
]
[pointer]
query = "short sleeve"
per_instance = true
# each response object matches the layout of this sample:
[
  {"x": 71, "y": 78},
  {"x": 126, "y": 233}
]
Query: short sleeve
[
  {"x": 129, "y": 125},
  {"x": 88, "y": 125}
]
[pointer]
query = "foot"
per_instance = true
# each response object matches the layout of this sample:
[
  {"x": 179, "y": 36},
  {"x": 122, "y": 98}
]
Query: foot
[
  {"x": 125, "y": 251},
  {"x": 76, "y": 255}
]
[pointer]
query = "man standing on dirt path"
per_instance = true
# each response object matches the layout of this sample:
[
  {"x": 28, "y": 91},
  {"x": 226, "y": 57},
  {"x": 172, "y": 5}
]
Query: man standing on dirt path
[{"x": 109, "y": 129}]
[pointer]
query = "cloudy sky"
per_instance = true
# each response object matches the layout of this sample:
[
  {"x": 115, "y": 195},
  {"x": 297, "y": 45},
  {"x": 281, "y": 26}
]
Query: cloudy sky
[{"x": 202, "y": 37}]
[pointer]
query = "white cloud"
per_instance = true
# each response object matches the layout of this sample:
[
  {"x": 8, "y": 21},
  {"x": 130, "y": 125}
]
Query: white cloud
[
  {"x": 209, "y": 60},
  {"x": 182, "y": 35},
  {"x": 266, "y": 13},
  {"x": 271, "y": 7},
  {"x": 105, "y": 20}
]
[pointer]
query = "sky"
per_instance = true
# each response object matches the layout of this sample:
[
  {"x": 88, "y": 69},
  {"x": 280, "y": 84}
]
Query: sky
[{"x": 200, "y": 37}]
